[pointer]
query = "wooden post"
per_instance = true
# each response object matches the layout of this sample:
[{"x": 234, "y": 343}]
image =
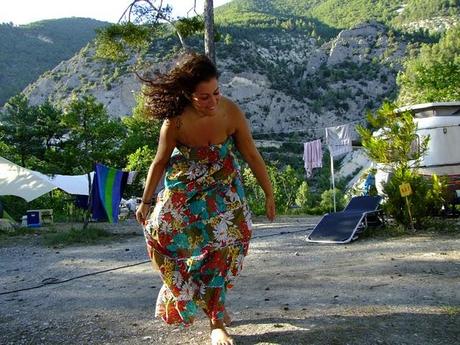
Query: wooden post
[
  {"x": 406, "y": 190},
  {"x": 410, "y": 215}
]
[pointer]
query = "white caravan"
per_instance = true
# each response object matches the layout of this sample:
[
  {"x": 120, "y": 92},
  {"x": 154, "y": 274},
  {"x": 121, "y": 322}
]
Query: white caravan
[{"x": 441, "y": 121}]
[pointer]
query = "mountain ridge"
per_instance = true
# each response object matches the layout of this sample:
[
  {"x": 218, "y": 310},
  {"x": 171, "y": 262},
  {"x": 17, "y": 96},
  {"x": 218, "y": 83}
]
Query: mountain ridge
[
  {"x": 249, "y": 75},
  {"x": 287, "y": 69},
  {"x": 26, "y": 51}
]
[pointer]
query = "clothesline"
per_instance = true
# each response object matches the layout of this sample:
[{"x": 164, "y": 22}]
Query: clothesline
[
  {"x": 297, "y": 142},
  {"x": 339, "y": 142},
  {"x": 307, "y": 129}
]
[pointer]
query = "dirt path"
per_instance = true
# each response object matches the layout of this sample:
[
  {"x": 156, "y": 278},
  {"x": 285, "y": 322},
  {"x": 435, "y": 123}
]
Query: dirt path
[{"x": 373, "y": 291}]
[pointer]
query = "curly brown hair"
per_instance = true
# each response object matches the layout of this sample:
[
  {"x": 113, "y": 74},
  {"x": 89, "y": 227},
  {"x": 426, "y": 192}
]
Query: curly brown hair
[{"x": 168, "y": 94}]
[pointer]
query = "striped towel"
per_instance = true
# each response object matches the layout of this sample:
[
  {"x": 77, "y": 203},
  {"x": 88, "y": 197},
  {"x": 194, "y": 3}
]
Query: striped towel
[{"x": 108, "y": 186}]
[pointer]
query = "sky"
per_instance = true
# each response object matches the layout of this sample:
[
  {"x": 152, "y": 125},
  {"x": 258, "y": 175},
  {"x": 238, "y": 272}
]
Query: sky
[{"x": 27, "y": 11}]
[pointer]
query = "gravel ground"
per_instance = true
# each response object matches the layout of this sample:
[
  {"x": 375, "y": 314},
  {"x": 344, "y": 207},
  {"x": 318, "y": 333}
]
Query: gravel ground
[{"x": 402, "y": 290}]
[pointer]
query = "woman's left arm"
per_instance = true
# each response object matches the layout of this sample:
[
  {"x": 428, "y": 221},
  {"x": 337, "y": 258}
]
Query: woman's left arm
[{"x": 245, "y": 144}]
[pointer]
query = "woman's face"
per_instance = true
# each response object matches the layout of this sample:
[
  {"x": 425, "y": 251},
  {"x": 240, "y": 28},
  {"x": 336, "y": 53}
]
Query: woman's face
[{"x": 206, "y": 97}]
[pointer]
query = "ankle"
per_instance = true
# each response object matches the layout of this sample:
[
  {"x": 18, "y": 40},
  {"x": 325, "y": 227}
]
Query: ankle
[{"x": 217, "y": 324}]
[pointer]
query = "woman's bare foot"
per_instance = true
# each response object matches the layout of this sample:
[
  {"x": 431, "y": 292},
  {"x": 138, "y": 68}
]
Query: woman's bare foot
[
  {"x": 219, "y": 335},
  {"x": 227, "y": 318}
]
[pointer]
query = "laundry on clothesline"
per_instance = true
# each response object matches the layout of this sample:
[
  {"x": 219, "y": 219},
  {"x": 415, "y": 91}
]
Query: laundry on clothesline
[
  {"x": 338, "y": 140},
  {"x": 131, "y": 177},
  {"x": 312, "y": 156},
  {"x": 106, "y": 192}
]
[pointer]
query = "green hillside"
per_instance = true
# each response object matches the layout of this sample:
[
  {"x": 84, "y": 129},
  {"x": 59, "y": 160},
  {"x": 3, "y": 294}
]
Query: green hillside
[
  {"x": 338, "y": 14},
  {"x": 27, "y": 51}
]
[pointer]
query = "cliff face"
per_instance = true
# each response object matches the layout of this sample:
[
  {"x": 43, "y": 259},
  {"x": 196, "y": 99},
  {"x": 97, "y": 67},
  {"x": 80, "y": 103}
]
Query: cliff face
[{"x": 111, "y": 84}]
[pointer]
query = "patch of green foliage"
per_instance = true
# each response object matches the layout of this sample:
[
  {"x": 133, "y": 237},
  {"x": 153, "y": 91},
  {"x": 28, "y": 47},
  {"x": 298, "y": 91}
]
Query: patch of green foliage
[
  {"x": 426, "y": 200},
  {"x": 421, "y": 9},
  {"x": 442, "y": 226},
  {"x": 116, "y": 41},
  {"x": 336, "y": 13},
  {"x": 53, "y": 236},
  {"x": 433, "y": 75},
  {"x": 17, "y": 231},
  {"x": 70, "y": 141},
  {"x": 26, "y": 51},
  {"x": 90, "y": 235},
  {"x": 293, "y": 194}
]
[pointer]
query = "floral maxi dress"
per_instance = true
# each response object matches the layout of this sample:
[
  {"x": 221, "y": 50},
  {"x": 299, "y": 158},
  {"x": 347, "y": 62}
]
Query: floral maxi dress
[{"x": 198, "y": 232}]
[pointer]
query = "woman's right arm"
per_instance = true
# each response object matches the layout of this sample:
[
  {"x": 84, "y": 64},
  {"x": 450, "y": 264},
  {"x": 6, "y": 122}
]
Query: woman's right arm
[{"x": 166, "y": 145}]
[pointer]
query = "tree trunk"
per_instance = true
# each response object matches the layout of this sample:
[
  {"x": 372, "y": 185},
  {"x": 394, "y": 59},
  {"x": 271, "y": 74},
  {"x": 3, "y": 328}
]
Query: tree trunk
[
  {"x": 181, "y": 39},
  {"x": 209, "y": 47}
]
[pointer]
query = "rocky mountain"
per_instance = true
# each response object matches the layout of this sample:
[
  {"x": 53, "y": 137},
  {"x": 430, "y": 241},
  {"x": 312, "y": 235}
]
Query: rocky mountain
[
  {"x": 285, "y": 82},
  {"x": 297, "y": 84},
  {"x": 294, "y": 66},
  {"x": 112, "y": 84}
]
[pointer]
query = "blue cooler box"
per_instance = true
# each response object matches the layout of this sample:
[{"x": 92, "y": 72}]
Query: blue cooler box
[{"x": 33, "y": 219}]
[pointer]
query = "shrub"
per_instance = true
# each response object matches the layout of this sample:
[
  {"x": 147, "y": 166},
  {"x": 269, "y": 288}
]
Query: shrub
[
  {"x": 426, "y": 199},
  {"x": 60, "y": 202},
  {"x": 327, "y": 200},
  {"x": 302, "y": 196}
]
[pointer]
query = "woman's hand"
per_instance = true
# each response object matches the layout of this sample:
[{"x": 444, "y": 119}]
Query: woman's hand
[
  {"x": 270, "y": 208},
  {"x": 142, "y": 212}
]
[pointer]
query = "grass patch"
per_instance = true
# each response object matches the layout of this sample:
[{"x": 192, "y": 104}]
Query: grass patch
[
  {"x": 451, "y": 310},
  {"x": 385, "y": 231},
  {"x": 442, "y": 226},
  {"x": 431, "y": 226},
  {"x": 89, "y": 235},
  {"x": 17, "y": 231}
]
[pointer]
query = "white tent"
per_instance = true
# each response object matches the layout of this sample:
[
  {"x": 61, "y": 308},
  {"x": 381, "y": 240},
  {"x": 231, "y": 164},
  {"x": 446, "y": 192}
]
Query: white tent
[
  {"x": 22, "y": 182},
  {"x": 72, "y": 184},
  {"x": 29, "y": 184}
]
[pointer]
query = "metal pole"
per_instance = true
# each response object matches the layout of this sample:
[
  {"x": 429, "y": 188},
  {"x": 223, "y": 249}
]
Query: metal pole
[
  {"x": 88, "y": 210},
  {"x": 332, "y": 178}
]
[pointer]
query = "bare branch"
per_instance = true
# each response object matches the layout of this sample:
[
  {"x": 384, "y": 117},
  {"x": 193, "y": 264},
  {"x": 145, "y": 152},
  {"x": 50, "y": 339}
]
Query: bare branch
[
  {"x": 126, "y": 10},
  {"x": 159, "y": 15},
  {"x": 192, "y": 9},
  {"x": 161, "y": 5},
  {"x": 129, "y": 9}
]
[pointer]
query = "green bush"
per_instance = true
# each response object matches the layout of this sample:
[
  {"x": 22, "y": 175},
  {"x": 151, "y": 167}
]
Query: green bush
[
  {"x": 426, "y": 199},
  {"x": 60, "y": 202},
  {"x": 16, "y": 207},
  {"x": 302, "y": 199},
  {"x": 327, "y": 200}
]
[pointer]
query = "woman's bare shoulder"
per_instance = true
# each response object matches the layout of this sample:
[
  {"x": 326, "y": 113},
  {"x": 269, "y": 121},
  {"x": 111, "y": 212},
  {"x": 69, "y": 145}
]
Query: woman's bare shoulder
[
  {"x": 231, "y": 108},
  {"x": 170, "y": 127}
]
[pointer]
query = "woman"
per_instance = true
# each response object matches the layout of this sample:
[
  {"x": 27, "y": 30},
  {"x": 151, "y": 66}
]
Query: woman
[{"x": 199, "y": 230}]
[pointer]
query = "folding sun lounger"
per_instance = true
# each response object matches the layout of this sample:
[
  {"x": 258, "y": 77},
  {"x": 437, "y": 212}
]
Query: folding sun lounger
[{"x": 343, "y": 227}]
